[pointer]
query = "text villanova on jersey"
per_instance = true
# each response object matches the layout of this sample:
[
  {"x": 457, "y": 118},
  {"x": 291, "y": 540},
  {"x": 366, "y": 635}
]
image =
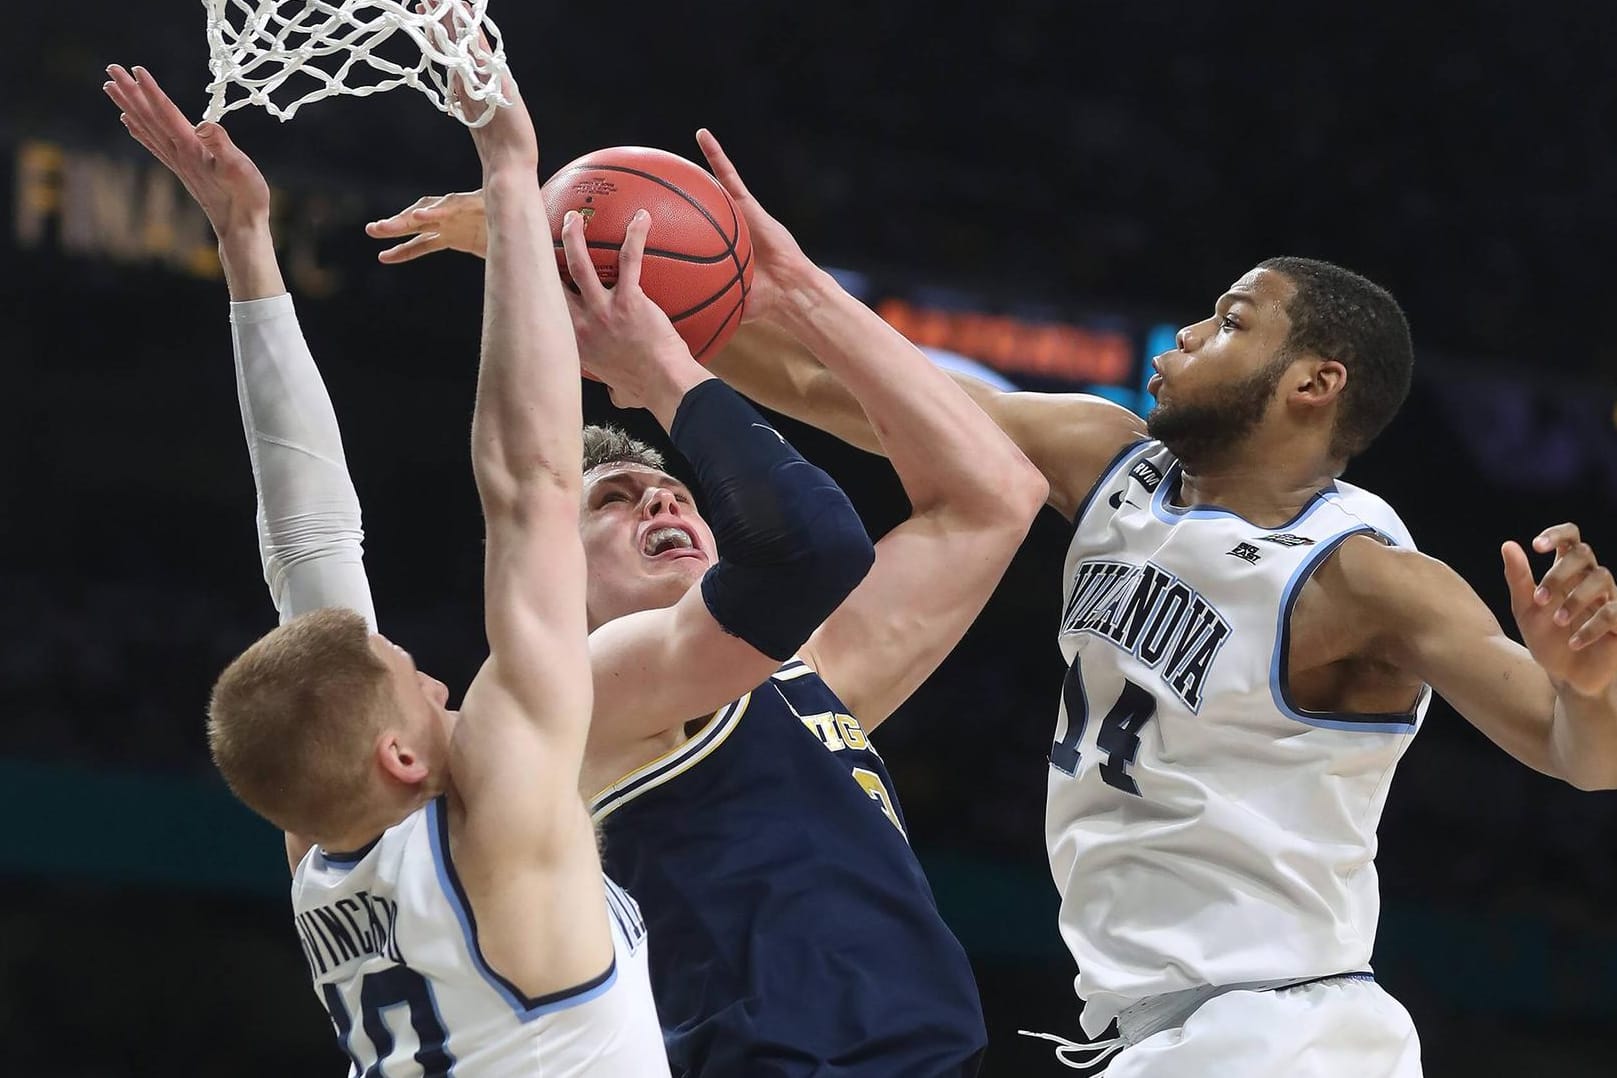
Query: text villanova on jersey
[{"x": 1151, "y": 613}]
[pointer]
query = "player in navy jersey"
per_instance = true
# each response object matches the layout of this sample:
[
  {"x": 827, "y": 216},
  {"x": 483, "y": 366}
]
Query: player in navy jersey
[
  {"x": 793, "y": 932},
  {"x": 1251, "y": 644}
]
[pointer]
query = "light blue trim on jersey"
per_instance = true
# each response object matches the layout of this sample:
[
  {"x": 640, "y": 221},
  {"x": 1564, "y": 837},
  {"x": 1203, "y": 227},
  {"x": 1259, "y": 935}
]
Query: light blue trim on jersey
[
  {"x": 1389, "y": 723},
  {"x": 1173, "y": 514},
  {"x": 526, "y": 1008},
  {"x": 1125, "y": 458},
  {"x": 343, "y": 862}
]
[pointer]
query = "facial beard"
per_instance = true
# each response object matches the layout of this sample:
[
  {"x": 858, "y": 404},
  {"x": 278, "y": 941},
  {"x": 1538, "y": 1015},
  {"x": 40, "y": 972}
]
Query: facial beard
[{"x": 1202, "y": 432}]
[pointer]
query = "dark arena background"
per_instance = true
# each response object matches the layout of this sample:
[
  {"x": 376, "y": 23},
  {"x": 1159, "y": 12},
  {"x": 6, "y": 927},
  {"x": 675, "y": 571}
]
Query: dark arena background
[{"x": 1046, "y": 188}]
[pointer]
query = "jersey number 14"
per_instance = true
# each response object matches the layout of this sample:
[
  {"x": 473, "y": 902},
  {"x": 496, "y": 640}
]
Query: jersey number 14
[{"x": 1119, "y": 736}]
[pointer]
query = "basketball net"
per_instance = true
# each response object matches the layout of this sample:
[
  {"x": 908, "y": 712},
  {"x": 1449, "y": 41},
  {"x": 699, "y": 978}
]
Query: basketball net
[{"x": 258, "y": 46}]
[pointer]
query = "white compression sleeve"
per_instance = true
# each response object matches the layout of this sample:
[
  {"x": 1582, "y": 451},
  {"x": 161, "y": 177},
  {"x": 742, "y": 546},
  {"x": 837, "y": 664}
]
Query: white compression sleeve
[{"x": 309, "y": 534}]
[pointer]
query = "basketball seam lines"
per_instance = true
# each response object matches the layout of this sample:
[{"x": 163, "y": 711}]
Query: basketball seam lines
[
  {"x": 672, "y": 256},
  {"x": 731, "y": 250},
  {"x": 729, "y": 244}
]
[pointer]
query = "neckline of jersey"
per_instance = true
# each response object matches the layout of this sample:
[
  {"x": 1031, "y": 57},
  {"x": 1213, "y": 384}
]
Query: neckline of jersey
[{"x": 1169, "y": 513}]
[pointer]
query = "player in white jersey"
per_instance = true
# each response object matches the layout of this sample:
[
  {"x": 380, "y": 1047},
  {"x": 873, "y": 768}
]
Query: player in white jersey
[
  {"x": 447, "y": 887},
  {"x": 1252, "y": 643}
]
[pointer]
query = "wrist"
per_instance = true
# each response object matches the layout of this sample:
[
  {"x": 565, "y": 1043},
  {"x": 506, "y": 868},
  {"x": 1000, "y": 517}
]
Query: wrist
[
  {"x": 504, "y": 165},
  {"x": 239, "y": 232},
  {"x": 803, "y": 292},
  {"x": 670, "y": 379},
  {"x": 247, "y": 256}
]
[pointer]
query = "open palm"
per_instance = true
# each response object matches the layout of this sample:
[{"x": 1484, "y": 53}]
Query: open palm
[
  {"x": 223, "y": 180},
  {"x": 1569, "y": 620}
]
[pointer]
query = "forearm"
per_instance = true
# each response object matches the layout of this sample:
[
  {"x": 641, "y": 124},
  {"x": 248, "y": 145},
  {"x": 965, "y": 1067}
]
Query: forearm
[
  {"x": 945, "y": 449},
  {"x": 791, "y": 546},
  {"x": 247, "y": 254},
  {"x": 1583, "y": 739},
  {"x": 309, "y": 531},
  {"x": 779, "y": 372},
  {"x": 525, "y": 427}
]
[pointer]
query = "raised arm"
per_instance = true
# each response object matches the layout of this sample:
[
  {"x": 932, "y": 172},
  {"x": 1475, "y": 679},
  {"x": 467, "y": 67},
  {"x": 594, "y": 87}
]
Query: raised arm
[
  {"x": 527, "y": 460},
  {"x": 1551, "y": 704},
  {"x": 1069, "y": 437},
  {"x": 309, "y": 533},
  {"x": 520, "y": 834},
  {"x": 972, "y": 493}
]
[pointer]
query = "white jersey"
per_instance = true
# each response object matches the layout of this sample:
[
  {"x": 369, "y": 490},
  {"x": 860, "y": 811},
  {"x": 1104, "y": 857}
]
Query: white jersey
[
  {"x": 392, "y": 946},
  {"x": 1202, "y": 828}
]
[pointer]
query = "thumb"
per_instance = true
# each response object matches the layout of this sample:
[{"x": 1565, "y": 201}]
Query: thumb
[
  {"x": 217, "y": 140},
  {"x": 1519, "y": 575}
]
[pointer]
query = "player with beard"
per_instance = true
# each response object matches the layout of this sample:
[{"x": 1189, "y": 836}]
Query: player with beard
[{"x": 1251, "y": 645}]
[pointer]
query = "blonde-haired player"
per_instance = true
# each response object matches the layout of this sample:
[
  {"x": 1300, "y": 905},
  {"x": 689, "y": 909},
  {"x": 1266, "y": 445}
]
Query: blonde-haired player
[{"x": 447, "y": 887}]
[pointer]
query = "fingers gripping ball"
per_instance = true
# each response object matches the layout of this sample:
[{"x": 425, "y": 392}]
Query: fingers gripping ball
[{"x": 698, "y": 262}]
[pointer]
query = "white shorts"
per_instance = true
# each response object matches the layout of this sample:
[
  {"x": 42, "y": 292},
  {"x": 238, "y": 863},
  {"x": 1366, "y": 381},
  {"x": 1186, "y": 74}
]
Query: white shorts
[{"x": 1345, "y": 1028}]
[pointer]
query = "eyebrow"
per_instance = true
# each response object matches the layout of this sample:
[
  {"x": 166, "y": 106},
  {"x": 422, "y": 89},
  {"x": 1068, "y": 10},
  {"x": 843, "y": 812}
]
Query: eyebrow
[
  {"x": 1232, "y": 297},
  {"x": 635, "y": 479}
]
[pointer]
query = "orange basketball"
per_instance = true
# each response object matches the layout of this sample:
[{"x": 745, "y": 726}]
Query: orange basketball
[{"x": 698, "y": 264}]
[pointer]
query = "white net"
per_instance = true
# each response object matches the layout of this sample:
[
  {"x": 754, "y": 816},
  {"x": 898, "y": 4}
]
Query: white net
[{"x": 263, "y": 52}]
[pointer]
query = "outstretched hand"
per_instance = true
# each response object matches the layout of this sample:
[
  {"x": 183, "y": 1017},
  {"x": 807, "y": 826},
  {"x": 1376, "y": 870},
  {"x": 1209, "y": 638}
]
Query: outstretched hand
[
  {"x": 223, "y": 180},
  {"x": 1569, "y": 620},
  {"x": 779, "y": 263},
  {"x": 625, "y": 339},
  {"x": 453, "y": 222}
]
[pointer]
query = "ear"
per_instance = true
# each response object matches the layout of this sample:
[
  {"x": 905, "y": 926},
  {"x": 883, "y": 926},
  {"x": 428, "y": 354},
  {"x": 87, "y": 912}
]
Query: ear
[
  {"x": 399, "y": 761},
  {"x": 1320, "y": 383}
]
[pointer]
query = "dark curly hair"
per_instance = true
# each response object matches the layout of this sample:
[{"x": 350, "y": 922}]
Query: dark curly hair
[{"x": 1336, "y": 314}]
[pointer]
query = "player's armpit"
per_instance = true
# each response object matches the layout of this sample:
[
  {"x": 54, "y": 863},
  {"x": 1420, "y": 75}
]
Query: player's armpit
[
  {"x": 1417, "y": 614},
  {"x": 655, "y": 670},
  {"x": 1070, "y": 437}
]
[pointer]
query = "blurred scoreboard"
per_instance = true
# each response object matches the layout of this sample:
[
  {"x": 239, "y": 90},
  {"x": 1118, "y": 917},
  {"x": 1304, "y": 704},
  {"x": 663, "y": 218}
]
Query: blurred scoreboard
[{"x": 1031, "y": 348}]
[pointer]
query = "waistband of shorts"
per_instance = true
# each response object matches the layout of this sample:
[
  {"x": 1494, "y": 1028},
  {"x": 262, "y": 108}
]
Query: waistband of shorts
[{"x": 1150, "y": 1016}]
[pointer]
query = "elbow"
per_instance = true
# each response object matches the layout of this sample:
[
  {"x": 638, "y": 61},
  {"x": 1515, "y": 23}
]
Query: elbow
[
  {"x": 776, "y": 603},
  {"x": 512, "y": 487},
  {"x": 841, "y": 554},
  {"x": 1004, "y": 497},
  {"x": 1026, "y": 490}
]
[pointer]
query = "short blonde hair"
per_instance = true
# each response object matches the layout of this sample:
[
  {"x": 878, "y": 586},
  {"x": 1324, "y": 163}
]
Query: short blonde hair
[
  {"x": 291, "y": 719},
  {"x": 614, "y": 445}
]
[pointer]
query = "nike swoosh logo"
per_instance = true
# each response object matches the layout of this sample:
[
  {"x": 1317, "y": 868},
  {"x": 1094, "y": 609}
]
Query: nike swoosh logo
[
  {"x": 771, "y": 430},
  {"x": 1118, "y": 501}
]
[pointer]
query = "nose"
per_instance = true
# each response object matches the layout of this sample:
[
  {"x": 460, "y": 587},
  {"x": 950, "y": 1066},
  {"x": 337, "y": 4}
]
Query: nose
[
  {"x": 436, "y": 690},
  {"x": 1182, "y": 340},
  {"x": 660, "y": 500}
]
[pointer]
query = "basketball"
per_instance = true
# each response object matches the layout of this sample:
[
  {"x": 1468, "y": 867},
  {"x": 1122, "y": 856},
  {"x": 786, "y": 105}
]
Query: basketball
[{"x": 698, "y": 263}]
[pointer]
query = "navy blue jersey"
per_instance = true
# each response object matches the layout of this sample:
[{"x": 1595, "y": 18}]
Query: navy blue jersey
[{"x": 792, "y": 930}]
